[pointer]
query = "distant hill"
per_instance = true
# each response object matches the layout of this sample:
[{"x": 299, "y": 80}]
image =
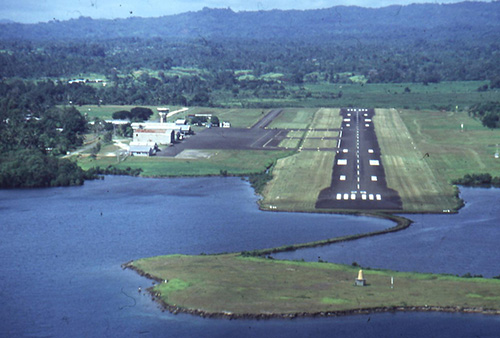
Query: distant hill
[{"x": 437, "y": 21}]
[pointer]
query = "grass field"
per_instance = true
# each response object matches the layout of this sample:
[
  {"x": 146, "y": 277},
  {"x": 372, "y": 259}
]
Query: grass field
[
  {"x": 405, "y": 136},
  {"x": 453, "y": 152},
  {"x": 290, "y": 143},
  {"x": 292, "y": 118},
  {"x": 407, "y": 170},
  {"x": 239, "y": 285},
  {"x": 432, "y": 96},
  {"x": 235, "y": 162},
  {"x": 298, "y": 179},
  {"x": 423, "y": 151}
]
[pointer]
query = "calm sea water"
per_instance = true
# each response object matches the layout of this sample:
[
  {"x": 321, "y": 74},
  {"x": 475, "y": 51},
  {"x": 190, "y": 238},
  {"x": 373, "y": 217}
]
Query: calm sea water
[
  {"x": 61, "y": 250},
  {"x": 455, "y": 244}
]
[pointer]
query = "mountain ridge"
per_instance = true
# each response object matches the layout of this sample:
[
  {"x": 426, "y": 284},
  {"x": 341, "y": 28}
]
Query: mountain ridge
[{"x": 436, "y": 20}]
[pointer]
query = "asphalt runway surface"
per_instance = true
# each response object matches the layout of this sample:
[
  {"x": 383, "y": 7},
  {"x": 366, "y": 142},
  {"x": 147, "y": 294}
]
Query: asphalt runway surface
[
  {"x": 358, "y": 179},
  {"x": 254, "y": 138}
]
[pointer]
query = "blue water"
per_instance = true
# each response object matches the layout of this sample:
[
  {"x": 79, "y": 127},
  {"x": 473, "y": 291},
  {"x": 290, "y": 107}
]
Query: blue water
[
  {"x": 61, "y": 251},
  {"x": 455, "y": 244}
]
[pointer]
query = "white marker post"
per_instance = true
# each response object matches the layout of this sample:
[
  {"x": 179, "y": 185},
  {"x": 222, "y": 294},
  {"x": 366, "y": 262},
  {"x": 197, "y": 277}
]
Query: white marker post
[{"x": 392, "y": 282}]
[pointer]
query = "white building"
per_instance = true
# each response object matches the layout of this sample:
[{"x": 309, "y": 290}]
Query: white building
[
  {"x": 154, "y": 132},
  {"x": 147, "y": 134},
  {"x": 141, "y": 150}
]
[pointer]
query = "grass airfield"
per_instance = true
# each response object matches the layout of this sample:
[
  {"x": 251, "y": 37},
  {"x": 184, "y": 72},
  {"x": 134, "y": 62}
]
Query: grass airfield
[
  {"x": 405, "y": 137},
  {"x": 422, "y": 152}
]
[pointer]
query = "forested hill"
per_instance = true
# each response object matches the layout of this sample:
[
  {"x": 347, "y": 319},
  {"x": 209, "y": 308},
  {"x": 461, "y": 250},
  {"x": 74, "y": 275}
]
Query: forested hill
[{"x": 437, "y": 21}]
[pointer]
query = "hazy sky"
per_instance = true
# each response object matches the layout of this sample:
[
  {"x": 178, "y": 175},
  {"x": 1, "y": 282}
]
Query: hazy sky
[{"x": 30, "y": 11}]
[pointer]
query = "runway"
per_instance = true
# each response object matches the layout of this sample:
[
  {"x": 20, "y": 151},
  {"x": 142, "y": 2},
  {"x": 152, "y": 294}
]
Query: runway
[{"x": 358, "y": 179}]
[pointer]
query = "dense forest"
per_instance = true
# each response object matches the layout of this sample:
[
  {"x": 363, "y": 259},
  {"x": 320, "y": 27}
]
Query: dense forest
[
  {"x": 33, "y": 133},
  {"x": 193, "y": 58},
  {"x": 186, "y": 59},
  {"x": 156, "y": 72}
]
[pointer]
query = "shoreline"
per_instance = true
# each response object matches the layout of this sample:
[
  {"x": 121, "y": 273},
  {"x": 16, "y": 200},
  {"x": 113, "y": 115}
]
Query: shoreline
[
  {"x": 174, "y": 309},
  {"x": 401, "y": 224}
]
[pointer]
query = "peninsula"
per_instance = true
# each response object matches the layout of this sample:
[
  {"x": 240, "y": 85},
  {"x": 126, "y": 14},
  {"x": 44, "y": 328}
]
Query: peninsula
[
  {"x": 238, "y": 286},
  {"x": 366, "y": 161}
]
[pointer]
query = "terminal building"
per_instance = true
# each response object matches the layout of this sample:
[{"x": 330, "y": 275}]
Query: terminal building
[{"x": 148, "y": 136}]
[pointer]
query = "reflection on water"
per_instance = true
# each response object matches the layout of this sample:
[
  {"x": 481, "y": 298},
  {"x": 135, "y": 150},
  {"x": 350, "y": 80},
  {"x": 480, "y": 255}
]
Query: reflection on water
[{"x": 61, "y": 251}]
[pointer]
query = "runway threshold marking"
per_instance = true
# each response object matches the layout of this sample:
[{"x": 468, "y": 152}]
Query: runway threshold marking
[{"x": 359, "y": 193}]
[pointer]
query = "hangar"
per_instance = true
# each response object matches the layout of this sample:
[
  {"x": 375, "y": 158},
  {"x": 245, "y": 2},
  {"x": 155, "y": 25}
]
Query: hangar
[{"x": 154, "y": 132}]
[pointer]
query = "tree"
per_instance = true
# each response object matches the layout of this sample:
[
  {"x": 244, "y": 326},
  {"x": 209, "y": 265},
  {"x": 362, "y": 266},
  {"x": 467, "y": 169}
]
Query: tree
[
  {"x": 140, "y": 114},
  {"x": 200, "y": 99},
  {"x": 199, "y": 120},
  {"x": 122, "y": 115},
  {"x": 125, "y": 130},
  {"x": 32, "y": 169},
  {"x": 215, "y": 120}
]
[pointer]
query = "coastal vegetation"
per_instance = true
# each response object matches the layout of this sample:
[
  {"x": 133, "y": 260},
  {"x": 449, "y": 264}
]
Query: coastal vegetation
[
  {"x": 33, "y": 169},
  {"x": 479, "y": 180},
  {"x": 33, "y": 136}
]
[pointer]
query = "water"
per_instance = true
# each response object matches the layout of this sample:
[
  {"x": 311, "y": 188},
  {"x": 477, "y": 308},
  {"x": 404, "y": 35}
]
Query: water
[
  {"x": 61, "y": 250},
  {"x": 466, "y": 242}
]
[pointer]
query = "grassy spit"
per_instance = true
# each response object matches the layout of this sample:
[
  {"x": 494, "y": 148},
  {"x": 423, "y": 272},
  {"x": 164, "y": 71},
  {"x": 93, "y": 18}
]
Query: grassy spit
[{"x": 237, "y": 286}]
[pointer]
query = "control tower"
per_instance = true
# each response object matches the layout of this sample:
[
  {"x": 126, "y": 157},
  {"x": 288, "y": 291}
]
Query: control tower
[{"x": 163, "y": 112}]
